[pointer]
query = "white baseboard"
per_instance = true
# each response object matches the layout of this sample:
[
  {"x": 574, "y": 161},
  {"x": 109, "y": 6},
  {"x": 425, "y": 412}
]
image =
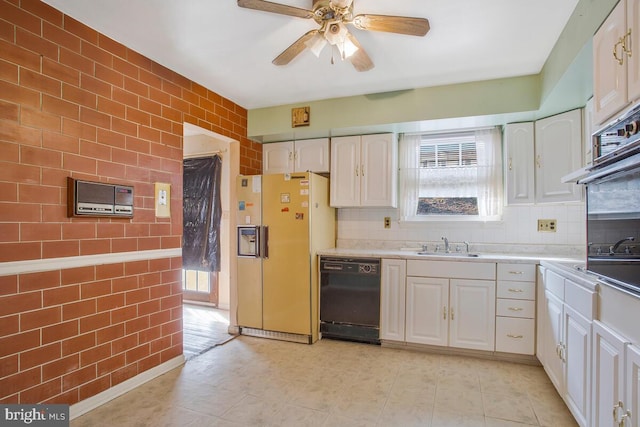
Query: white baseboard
[{"x": 99, "y": 399}]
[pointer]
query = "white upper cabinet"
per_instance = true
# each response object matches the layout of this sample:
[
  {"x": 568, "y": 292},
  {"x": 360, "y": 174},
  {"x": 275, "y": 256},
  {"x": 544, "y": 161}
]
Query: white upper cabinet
[
  {"x": 518, "y": 153},
  {"x": 558, "y": 152},
  {"x": 616, "y": 71},
  {"x": 538, "y": 154},
  {"x": 311, "y": 155},
  {"x": 296, "y": 156},
  {"x": 364, "y": 171}
]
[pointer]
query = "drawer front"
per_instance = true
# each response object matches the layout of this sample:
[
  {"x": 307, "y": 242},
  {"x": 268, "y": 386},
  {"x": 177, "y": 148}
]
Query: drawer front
[
  {"x": 452, "y": 269},
  {"x": 516, "y": 308},
  {"x": 554, "y": 283},
  {"x": 580, "y": 299},
  {"x": 517, "y": 272},
  {"x": 515, "y": 335},
  {"x": 517, "y": 290}
]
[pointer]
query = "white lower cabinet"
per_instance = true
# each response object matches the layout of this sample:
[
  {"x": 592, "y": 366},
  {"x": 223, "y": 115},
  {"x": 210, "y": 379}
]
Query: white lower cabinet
[
  {"x": 428, "y": 310},
  {"x": 450, "y": 311},
  {"x": 516, "y": 308},
  {"x": 565, "y": 350},
  {"x": 632, "y": 395},
  {"x": 472, "y": 310},
  {"x": 577, "y": 361},
  {"x": 615, "y": 379},
  {"x": 392, "y": 298}
]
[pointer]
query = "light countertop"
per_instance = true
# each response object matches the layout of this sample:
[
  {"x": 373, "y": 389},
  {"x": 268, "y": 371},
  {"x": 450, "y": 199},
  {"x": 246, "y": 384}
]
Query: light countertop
[{"x": 412, "y": 253}]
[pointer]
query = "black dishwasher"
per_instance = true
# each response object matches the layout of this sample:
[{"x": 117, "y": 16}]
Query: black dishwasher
[{"x": 350, "y": 298}]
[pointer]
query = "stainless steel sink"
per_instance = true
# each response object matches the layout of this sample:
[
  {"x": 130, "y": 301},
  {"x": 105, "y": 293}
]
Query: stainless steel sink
[{"x": 450, "y": 254}]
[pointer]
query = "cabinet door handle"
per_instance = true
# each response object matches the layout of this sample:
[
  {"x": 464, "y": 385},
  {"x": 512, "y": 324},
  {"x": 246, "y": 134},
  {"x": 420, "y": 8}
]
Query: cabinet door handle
[
  {"x": 357, "y": 171},
  {"x": 444, "y": 313},
  {"x": 452, "y": 315},
  {"x": 515, "y": 290},
  {"x": 516, "y": 308},
  {"x": 517, "y": 337},
  {"x": 616, "y": 419},
  {"x": 510, "y": 163},
  {"x": 362, "y": 170},
  {"x": 516, "y": 272},
  {"x": 539, "y": 161},
  {"x": 562, "y": 349},
  {"x": 620, "y": 58},
  {"x": 627, "y": 45},
  {"x": 290, "y": 155}
]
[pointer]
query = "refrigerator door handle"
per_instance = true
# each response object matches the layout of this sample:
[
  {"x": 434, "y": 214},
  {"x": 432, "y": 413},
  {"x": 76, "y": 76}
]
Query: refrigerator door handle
[
  {"x": 258, "y": 242},
  {"x": 265, "y": 241}
]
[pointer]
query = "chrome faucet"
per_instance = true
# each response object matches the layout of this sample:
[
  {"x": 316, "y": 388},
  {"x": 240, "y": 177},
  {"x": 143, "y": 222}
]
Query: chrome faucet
[
  {"x": 467, "y": 245},
  {"x": 612, "y": 249},
  {"x": 446, "y": 245}
]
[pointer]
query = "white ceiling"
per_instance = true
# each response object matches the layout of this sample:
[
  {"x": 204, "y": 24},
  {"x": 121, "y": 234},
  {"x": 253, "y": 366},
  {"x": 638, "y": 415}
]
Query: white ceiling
[{"x": 229, "y": 49}]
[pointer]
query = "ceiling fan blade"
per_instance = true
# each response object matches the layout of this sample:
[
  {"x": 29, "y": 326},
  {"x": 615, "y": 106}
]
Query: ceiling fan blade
[
  {"x": 295, "y": 49},
  {"x": 282, "y": 9},
  {"x": 392, "y": 24},
  {"x": 360, "y": 60}
]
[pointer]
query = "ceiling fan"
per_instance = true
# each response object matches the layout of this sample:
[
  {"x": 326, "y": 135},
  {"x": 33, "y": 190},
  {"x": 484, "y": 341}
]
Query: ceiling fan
[{"x": 333, "y": 16}]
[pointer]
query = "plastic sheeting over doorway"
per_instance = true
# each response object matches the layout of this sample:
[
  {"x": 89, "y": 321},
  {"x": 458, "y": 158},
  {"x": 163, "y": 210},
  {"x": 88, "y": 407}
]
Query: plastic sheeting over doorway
[{"x": 202, "y": 212}]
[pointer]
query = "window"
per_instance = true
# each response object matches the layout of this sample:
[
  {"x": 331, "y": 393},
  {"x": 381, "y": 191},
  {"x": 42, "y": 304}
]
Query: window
[{"x": 451, "y": 176}]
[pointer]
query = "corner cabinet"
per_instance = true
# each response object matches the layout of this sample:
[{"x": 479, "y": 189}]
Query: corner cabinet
[
  {"x": 538, "y": 154},
  {"x": 616, "y": 68},
  {"x": 296, "y": 156},
  {"x": 558, "y": 152},
  {"x": 565, "y": 353},
  {"x": 364, "y": 171}
]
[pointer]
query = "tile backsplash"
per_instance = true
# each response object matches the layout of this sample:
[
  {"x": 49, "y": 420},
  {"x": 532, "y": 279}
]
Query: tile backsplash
[{"x": 517, "y": 233}]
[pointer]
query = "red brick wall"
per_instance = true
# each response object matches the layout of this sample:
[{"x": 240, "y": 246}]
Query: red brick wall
[{"x": 76, "y": 103}]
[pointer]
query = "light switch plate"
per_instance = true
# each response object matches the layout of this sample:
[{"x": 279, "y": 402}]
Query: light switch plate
[
  {"x": 547, "y": 225},
  {"x": 163, "y": 200}
]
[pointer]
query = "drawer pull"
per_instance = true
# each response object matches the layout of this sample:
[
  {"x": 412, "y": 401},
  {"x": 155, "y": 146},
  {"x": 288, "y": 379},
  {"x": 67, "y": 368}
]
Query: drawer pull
[
  {"x": 517, "y": 337},
  {"x": 515, "y": 290},
  {"x": 516, "y": 308},
  {"x": 516, "y": 272}
]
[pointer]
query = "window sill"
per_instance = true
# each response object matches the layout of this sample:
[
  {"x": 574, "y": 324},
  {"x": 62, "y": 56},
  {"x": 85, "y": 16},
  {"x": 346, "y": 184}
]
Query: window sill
[{"x": 443, "y": 219}]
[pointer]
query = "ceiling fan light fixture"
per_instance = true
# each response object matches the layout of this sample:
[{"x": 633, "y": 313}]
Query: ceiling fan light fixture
[
  {"x": 316, "y": 44},
  {"x": 336, "y": 32},
  {"x": 347, "y": 48}
]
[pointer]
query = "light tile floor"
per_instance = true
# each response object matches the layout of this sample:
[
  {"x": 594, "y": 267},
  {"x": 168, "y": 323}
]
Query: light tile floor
[{"x": 259, "y": 382}]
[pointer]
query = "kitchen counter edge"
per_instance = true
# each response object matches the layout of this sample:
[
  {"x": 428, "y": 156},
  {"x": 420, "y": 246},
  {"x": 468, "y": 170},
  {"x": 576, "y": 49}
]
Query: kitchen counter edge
[{"x": 412, "y": 254}]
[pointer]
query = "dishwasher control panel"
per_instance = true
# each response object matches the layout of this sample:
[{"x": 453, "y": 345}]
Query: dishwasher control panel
[{"x": 368, "y": 266}]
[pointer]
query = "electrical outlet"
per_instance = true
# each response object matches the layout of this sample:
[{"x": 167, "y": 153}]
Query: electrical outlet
[
  {"x": 387, "y": 222},
  {"x": 548, "y": 225}
]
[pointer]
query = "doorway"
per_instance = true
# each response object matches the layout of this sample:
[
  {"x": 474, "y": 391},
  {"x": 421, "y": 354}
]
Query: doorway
[{"x": 215, "y": 289}]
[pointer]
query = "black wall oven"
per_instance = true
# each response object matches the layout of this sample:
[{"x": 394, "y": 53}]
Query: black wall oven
[{"x": 613, "y": 204}]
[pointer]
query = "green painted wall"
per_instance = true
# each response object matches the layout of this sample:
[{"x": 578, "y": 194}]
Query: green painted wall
[{"x": 566, "y": 82}]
